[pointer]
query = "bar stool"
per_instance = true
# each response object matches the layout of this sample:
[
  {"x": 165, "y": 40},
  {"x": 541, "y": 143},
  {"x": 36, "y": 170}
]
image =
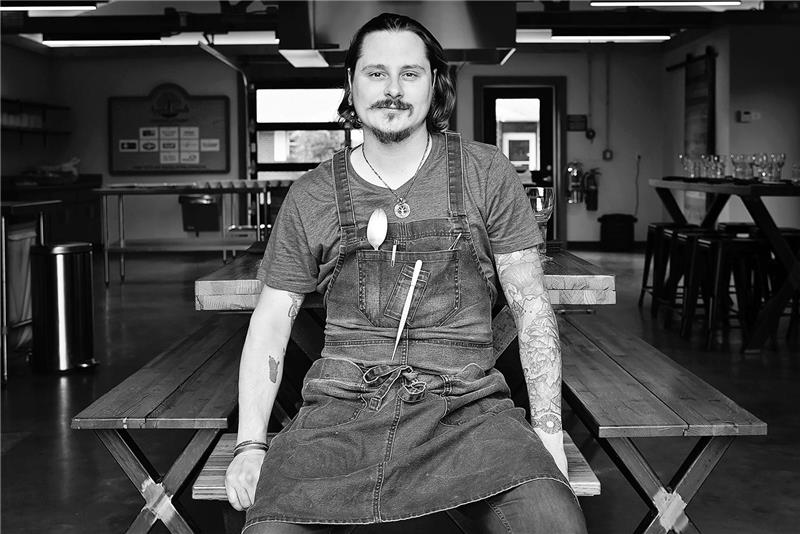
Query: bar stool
[
  {"x": 679, "y": 242},
  {"x": 777, "y": 276},
  {"x": 657, "y": 251},
  {"x": 713, "y": 260}
]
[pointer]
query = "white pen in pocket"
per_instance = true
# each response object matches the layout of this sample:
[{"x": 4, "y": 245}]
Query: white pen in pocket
[{"x": 407, "y": 304}]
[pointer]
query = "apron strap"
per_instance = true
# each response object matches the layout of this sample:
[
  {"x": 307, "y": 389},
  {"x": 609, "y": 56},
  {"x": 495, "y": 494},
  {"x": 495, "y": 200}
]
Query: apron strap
[
  {"x": 455, "y": 174},
  {"x": 344, "y": 198}
]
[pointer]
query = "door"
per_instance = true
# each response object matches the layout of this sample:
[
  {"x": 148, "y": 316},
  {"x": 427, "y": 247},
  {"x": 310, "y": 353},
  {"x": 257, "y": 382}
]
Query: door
[
  {"x": 524, "y": 117},
  {"x": 519, "y": 121}
]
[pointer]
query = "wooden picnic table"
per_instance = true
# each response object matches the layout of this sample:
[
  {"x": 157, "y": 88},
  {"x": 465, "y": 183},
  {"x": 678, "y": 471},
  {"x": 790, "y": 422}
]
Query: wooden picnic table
[
  {"x": 236, "y": 286},
  {"x": 189, "y": 386},
  {"x": 624, "y": 389},
  {"x": 751, "y": 194}
]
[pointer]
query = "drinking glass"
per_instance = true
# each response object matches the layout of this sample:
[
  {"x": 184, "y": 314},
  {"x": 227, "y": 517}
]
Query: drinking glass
[
  {"x": 777, "y": 161},
  {"x": 542, "y": 203},
  {"x": 760, "y": 164},
  {"x": 796, "y": 174},
  {"x": 689, "y": 165},
  {"x": 741, "y": 167}
]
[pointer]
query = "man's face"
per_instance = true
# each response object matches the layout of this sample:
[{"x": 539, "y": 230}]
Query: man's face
[{"x": 392, "y": 85}]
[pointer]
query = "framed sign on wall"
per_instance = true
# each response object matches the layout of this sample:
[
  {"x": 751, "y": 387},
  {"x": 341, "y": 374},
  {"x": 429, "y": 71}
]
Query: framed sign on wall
[{"x": 168, "y": 131}]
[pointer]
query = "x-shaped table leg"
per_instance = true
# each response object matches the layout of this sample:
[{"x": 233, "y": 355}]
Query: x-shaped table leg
[
  {"x": 668, "y": 503},
  {"x": 157, "y": 492}
]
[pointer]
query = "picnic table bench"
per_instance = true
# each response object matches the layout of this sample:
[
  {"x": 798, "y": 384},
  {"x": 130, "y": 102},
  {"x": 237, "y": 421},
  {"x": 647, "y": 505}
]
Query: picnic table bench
[
  {"x": 623, "y": 388},
  {"x": 191, "y": 385}
]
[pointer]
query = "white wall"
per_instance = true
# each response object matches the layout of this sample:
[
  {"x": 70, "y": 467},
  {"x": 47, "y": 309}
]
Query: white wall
[
  {"x": 752, "y": 74},
  {"x": 635, "y": 102},
  {"x": 87, "y": 83},
  {"x": 765, "y": 78}
]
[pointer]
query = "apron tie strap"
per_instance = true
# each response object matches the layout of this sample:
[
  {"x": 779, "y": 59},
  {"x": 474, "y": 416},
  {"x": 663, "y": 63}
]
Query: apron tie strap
[{"x": 384, "y": 376}]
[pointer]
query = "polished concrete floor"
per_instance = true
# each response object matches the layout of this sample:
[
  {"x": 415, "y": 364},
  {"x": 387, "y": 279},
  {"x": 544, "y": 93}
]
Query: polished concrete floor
[{"x": 55, "y": 479}]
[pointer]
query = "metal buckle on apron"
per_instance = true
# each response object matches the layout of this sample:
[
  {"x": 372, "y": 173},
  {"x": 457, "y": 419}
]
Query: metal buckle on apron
[{"x": 384, "y": 376}]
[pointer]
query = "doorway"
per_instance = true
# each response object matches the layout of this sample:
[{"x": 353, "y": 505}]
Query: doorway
[{"x": 523, "y": 117}]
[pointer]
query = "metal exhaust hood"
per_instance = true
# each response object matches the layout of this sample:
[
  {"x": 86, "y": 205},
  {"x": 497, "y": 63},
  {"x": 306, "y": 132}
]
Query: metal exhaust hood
[{"x": 483, "y": 32}]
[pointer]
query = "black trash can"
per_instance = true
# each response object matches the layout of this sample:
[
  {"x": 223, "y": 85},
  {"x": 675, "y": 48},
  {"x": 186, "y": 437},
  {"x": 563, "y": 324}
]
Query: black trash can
[
  {"x": 616, "y": 232},
  {"x": 200, "y": 213},
  {"x": 63, "y": 314}
]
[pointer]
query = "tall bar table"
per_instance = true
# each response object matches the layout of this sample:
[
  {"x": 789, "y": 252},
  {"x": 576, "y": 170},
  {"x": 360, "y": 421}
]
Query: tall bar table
[{"x": 751, "y": 194}]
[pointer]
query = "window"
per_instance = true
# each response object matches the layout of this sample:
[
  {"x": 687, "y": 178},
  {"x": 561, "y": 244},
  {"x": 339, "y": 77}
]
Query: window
[{"x": 297, "y": 128}]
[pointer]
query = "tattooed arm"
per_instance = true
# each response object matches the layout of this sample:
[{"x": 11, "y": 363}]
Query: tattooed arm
[
  {"x": 260, "y": 373},
  {"x": 522, "y": 280}
]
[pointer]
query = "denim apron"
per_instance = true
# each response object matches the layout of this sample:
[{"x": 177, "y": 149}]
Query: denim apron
[{"x": 382, "y": 438}]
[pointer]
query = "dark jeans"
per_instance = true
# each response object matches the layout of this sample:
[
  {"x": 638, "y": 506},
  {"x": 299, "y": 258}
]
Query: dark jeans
[{"x": 541, "y": 506}]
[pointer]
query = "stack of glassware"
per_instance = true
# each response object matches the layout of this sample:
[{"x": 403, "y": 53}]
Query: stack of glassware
[
  {"x": 703, "y": 166},
  {"x": 759, "y": 167}
]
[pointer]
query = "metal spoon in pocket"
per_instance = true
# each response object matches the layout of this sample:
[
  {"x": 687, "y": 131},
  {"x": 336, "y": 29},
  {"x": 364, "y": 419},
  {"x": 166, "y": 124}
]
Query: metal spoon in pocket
[
  {"x": 377, "y": 228},
  {"x": 407, "y": 304}
]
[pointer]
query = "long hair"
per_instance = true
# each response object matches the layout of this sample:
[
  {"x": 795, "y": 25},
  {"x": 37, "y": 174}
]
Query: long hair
[{"x": 444, "y": 92}]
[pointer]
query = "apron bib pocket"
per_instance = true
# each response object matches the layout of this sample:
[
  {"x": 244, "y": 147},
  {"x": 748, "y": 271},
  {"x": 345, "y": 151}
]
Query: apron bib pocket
[{"x": 383, "y": 287}]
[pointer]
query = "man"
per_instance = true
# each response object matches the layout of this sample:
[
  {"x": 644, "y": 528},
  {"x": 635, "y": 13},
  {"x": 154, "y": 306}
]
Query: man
[{"x": 404, "y": 415}]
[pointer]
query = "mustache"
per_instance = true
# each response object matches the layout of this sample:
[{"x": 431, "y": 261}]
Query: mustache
[{"x": 391, "y": 103}]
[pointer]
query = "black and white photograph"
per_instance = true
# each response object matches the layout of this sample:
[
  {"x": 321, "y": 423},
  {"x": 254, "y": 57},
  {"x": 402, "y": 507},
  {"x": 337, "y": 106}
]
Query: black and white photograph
[{"x": 400, "y": 266}]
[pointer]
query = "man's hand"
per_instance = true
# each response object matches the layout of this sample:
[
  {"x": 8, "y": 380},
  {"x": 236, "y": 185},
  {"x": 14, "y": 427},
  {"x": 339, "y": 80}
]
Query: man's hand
[
  {"x": 554, "y": 443},
  {"x": 241, "y": 478}
]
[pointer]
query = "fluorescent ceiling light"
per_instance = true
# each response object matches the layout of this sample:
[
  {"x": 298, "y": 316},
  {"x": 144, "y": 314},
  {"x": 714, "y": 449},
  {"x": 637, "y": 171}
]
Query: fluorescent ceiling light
[
  {"x": 181, "y": 39},
  {"x": 678, "y": 3},
  {"x": 546, "y": 36},
  {"x": 100, "y": 42},
  {"x": 304, "y": 58},
  {"x": 49, "y": 7},
  {"x": 609, "y": 38}
]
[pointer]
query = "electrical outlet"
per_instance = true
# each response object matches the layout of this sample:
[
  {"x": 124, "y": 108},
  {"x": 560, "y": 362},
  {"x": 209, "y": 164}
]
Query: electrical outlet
[{"x": 608, "y": 154}]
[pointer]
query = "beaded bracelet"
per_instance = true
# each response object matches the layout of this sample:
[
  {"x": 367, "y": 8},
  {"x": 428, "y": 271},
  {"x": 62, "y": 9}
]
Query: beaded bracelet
[{"x": 250, "y": 445}]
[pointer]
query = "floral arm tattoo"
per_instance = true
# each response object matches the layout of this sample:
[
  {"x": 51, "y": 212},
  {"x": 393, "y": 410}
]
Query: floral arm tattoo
[
  {"x": 294, "y": 309},
  {"x": 522, "y": 280},
  {"x": 297, "y": 301}
]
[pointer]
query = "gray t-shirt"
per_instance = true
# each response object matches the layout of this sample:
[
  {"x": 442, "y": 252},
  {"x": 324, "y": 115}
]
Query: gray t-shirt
[{"x": 303, "y": 247}]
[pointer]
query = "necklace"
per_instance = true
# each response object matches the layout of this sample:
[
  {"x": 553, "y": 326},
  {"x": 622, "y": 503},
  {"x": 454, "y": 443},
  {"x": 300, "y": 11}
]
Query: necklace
[{"x": 401, "y": 207}]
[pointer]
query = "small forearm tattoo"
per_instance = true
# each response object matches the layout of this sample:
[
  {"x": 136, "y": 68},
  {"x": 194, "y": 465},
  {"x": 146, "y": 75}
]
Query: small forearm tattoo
[
  {"x": 522, "y": 279},
  {"x": 273, "y": 369},
  {"x": 297, "y": 301}
]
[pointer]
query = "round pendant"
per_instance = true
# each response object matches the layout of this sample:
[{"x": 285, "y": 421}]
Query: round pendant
[{"x": 402, "y": 210}]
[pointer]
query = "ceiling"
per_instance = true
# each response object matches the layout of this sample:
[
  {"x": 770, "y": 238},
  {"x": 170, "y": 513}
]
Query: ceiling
[{"x": 477, "y": 32}]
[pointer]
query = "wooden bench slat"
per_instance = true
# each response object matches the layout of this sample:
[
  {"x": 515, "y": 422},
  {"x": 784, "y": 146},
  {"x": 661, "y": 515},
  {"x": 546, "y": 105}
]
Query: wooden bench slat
[
  {"x": 210, "y": 483},
  {"x": 129, "y": 404},
  {"x": 613, "y": 403},
  {"x": 706, "y": 411},
  {"x": 209, "y": 396}
]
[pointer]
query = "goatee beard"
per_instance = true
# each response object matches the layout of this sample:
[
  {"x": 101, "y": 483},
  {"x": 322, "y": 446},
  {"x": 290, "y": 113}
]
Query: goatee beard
[{"x": 387, "y": 138}]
